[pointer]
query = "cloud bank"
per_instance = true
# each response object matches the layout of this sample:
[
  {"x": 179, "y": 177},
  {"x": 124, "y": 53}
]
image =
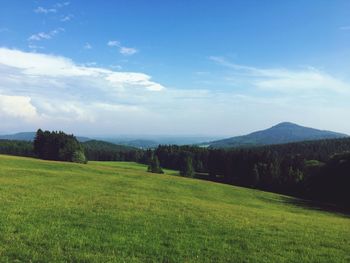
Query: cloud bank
[
  {"x": 40, "y": 88},
  {"x": 284, "y": 80},
  {"x": 54, "y": 92}
]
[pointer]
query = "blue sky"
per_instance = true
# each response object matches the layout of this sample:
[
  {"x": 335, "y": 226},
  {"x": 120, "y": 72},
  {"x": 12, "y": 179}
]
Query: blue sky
[{"x": 173, "y": 67}]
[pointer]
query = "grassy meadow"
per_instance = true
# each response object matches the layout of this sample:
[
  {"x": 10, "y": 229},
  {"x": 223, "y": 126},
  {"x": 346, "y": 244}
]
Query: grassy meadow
[{"x": 117, "y": 212}]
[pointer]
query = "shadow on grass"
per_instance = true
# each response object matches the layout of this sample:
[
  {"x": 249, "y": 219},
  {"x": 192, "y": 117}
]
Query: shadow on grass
[
  {"x": 304, "y": 203},
  {"x": 315, "y": 205}
]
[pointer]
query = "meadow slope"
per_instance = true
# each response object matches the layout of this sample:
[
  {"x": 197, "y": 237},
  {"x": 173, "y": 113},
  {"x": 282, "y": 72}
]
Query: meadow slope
[{"x": 117, "y": 212}]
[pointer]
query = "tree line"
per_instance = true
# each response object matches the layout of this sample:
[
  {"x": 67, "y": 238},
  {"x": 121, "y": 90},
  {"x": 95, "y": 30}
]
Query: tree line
[
  {"x": 318, "y": 170},
  {"x": 19, "y": 148},
  {"x": 104, "y": 151},
  {"x": 62, "y": 147},
  {"x": 58, "y": 146}
]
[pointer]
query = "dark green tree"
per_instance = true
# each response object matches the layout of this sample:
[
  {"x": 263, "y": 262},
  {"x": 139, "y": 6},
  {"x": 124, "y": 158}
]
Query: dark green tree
[
  {"x": 187, "y": 168},
  {"x": 154, "y": 166},
  {"x": 79, "y": 157},
  {"x": 39, "y": 143},
  {"x": 58, "y": 146},
  {"x": 254, "y": 176}
]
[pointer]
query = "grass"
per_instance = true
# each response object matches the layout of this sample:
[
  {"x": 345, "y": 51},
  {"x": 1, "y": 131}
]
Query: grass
[{"x": 117, "y": 212}]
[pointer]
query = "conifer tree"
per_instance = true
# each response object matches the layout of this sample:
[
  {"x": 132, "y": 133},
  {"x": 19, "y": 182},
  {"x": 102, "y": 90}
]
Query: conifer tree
[
  {"x": 187, "y": 169},
  {"x": 154, "y": 166}
]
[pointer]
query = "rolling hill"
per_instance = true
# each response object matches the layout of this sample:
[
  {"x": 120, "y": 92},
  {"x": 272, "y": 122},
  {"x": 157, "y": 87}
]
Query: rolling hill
[
  {"x": 21, "y": 136},
  {"x": 29, "y": 136},
  {"x": 117, "y": 212},
  {"x": 94, "y": 149},
  {"x": 106, "y": 146},
  {"x": 281, "y": 133},
  {"x": 141, "y": 141},
  {"x": 138, "y": 143},
  {"x": 152, "y": 141}
]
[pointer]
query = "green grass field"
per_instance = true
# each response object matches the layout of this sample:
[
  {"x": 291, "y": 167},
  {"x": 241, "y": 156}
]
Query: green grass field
[{"x": 117, "y": 212}]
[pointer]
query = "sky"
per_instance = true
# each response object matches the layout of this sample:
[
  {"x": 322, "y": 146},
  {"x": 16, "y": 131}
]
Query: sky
[{"x": 185, "y": 67}]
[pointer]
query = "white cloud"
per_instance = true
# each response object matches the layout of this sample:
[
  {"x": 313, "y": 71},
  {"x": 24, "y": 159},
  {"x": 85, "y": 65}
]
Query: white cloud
[
  {"x": 126, "y": 51},
  {"x": 113, "y": 43},
  {"x": 39, "y": 36},
  {"x": 35, "y": 47},
  {"x": 307, "y": 79},
  {"x": 87, "y": 46},
  {"x": 42, "y": 10},
  {"x": 117, "y": 67},
  {"x": 59, "y": 89},
  {"x": 122, "y": 79},
  {"x": 54, "y": 92},
  {"x": 36, "y": 64},
  {"x": 18, "y": 107},
  {"x": 54, "y": 9},
  {"x": 56, "y": 66},
  {"x": 62, "y": 4},
  {"x": 66, "y": 18},
  {"x": 90, "y": 64},
  {"x": 116, "y": 107},
  {"x": 45, "y": 36}
]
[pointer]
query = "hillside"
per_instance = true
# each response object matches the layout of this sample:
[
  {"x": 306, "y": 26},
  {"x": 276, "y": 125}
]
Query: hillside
[
  {"x": 94, "y": 150},
  {"x": 21, "y": 136},
  {"x": 141, "y": 142},
  {"x": 29, "y": 136},
  {"x": 138, "y": 143},
  {"x": 152, "y": 141},
  {"x": 281, "y": 133},
  {"x": 106, "y": 151},
  {"x": 115, "y": 211},
  {"x": 99, "y": 145}
]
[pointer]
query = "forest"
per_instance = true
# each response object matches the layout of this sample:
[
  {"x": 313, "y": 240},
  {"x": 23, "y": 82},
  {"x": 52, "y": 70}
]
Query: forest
[
  {"x": 318, "y": 170},
  {"x": 58, "y": 146}
]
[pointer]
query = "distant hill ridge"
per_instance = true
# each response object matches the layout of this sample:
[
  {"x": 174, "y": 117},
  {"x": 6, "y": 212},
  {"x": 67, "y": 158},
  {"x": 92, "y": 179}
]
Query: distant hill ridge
[
  {"x": 285, "y": 132},
  {"x": 281, "y": 133},
  {"x": 140, "y": 141},
  {"x": 106, "y": 146},
  {"x": 21, "y": 136},
  {"x": 29, "y": 136}
]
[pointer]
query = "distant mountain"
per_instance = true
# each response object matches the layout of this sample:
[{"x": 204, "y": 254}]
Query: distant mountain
[
  {"x": 29, "y": 136},
  {"x": 284, "y": 132},
  {"x": 142, "y": 144},
  {"x": 106, "y": 146},
  {"x": 21, "y": 136},
  {"x": 152, "y": 141},
  {"x": 139, "y": 141}
]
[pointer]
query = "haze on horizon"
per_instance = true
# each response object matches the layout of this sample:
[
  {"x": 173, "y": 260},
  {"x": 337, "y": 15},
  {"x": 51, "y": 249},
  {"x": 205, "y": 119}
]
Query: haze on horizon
[{"x": 173, "y": 67}]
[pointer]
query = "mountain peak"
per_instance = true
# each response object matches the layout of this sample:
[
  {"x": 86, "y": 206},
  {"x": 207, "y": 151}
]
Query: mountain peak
[
  {"x": 284, "y": 132},
  {"x": 285, "y": 125}
]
